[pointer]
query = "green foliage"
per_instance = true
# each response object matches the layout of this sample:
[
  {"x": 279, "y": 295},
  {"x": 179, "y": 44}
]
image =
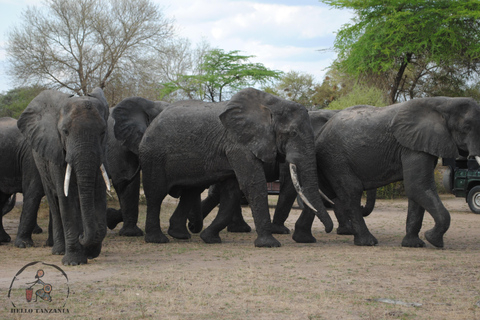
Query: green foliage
[
  {"x": 222, "y": 74},
  {"x": 388, "y": 35},
  {"x": 16, "y": 100},
  {"x": 296, "y": 86},
  {"x": 360, "y": 95}
]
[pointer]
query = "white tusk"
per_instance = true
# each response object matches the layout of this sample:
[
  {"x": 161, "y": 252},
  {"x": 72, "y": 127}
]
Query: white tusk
[
  {"x": 478, "y": 159},
  {"x": 324, "y": 196},
  {"x": 105, "y": 176},
  {"x": 68, "y": 174},
  {"x": 296, "y": 184}
]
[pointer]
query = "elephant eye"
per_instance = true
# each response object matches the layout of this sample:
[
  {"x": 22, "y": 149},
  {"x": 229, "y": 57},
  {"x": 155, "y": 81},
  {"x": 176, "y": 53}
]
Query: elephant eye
[
  {"x": 293, "y": 133},
  {"x": 65, "y": 131}
]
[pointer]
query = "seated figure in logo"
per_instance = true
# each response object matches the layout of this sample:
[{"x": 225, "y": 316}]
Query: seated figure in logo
[{"x": 43, "y": 293}]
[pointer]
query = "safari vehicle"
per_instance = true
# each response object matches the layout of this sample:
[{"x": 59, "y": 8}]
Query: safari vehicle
[{"x": 462, "y": 178}]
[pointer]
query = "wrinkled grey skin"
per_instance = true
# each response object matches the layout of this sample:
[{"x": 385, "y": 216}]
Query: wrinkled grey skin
[
  {"x": 189, "y": 147},
  {"x": 365, "y": 147},
  {"x": 18, "y": 173},
  {"x": 287, "y": 196},
  {"x": 124, "y": 166},
  {"x": 63, "y": 129}
]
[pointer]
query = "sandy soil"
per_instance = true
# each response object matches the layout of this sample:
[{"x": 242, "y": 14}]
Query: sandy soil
[{"x": 331, "y": 279}]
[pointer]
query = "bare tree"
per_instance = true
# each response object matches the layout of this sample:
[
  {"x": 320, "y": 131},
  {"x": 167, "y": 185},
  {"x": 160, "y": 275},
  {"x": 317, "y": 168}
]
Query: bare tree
[{"x": 79, "y": 44}]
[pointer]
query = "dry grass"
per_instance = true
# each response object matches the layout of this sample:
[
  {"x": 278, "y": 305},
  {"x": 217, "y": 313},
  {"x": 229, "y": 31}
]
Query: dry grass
[{"x": 331, "y": 279}]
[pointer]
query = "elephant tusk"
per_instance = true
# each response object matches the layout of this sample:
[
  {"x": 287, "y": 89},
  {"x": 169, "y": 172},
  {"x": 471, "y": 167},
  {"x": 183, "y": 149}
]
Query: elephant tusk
[
  {"x": 478, "y": 159},
  {"x": 324, "y": 196},
  {"x": 296, "y": 184},
  {"x": 105, "y": 176},
  {"x": 68, "y": 174}
]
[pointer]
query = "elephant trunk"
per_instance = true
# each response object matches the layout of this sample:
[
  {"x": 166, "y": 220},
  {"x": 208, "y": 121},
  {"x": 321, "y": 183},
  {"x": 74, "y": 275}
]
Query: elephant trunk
[
  {"x": 304, "y": 177},
  {"x": 86, "y": 171}
]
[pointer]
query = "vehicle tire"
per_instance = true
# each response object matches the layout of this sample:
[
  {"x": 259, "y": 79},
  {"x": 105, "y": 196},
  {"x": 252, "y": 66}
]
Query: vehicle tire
[
  {"x": 473, "y": 199},
  {"x": 448, "y": 179}
]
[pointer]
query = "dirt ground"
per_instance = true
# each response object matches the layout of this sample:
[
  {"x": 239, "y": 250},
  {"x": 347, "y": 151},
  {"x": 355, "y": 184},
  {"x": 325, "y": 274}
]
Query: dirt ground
[{"x": 330, "y": 279}]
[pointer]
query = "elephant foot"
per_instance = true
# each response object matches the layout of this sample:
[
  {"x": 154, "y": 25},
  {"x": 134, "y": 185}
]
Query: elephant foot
[
  {"x": 23, "y": 242},
  {"x": 210, "y": 237},
  {"x": 267, "y": 241},
  {"x": 74, "y": 259},
  {"x": 302, "y": 236},
  {"x": 114, "y": 217},
  {"x": 4, "y": 237},
  {"x": 49, "y": 242},
  {"x": 195, "y": 227},
  {"x": 280, "y": 229},
  {"x": 156, "y": 237},
  {"x": 239, "y": 226},
  {"x": 132, "y": 231},
  {"x": 58, "y": 250},
  {"x": 93, "y": 251},
  {"x": 413, "y": 241},
  {"x": 433, "y": 238},
  {"x": 368, "y": 240},
  {"x": 37, "y": 229},
  {"x": 179, "y": 234},
  {"x": 345, "y": 230}
]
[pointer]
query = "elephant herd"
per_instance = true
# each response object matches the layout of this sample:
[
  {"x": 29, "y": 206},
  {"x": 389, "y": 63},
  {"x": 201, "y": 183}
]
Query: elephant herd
[{"x": 68, "y": 148}]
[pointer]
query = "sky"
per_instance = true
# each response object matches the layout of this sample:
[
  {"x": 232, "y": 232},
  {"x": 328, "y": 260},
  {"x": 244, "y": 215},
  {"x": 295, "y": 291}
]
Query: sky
[{"x": 284, "y": 35}]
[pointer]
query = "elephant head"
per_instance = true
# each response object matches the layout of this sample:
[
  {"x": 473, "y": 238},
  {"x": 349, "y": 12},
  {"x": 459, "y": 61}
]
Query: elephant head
[
  {"x": 70, "y": 132},
  {"x": 441, "y": 126},
  {"x": 273, "y": 128}
]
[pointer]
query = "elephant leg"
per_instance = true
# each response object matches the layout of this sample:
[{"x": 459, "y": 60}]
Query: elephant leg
[
  {"x": 49, "y": 242},
  {"x": 238, "y": 224},
  {"x": 114, "y": 217},
  {"x": 303, "y": 227},
  {"x": 286, "y": 198},
  {"x": 4, "y": 237},
  {"x": 201, "y": 210},
  {"x": 345, "y": 226},
  {"x": 155, "y": 191},
  {"x": 28, "y": 218},
  {"x": 128, "y": 196},
  {"x": 56, "y": 232},
  {"x": 229, "y": 202},
  {"x": 420, "y": 187},
  {"x": 190, "y": 198},
  {"x": 253, "y": 183},
  {"x": 414, "y": 224}
]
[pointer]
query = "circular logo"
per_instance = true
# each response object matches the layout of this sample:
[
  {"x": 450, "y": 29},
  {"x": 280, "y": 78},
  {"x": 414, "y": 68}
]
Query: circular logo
[{"x": 39, "y": 287}]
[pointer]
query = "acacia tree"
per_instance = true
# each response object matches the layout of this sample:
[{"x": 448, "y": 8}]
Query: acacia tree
[
  {"x": 221, "y": 74},
  {"x": 78, "y": 44},
  {"x": 387, "y": 36}
]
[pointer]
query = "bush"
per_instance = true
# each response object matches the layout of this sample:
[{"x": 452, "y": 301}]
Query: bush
[{"x": 360, "y": 95}]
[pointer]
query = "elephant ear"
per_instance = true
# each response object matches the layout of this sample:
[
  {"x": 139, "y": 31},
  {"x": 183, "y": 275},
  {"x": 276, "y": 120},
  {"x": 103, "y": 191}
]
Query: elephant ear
[
  {"x": 419, "y": 125},
  {"x": 132, "y": 117},
  {"x": 98, "y": 94},
  {"x": 249, "y": 121},
  {"x": 38, "y": 124}
]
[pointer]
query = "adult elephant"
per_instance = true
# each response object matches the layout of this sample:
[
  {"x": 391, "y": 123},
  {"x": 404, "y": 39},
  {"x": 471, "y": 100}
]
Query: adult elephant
[
  {"x": 18, "y": 173},
  {"x": 68, "y": 136},
  {"x": 191, "y": 146},
  {"x": 365, "y": 147},
  {"x": 124, "y": 166},
  {"x": 287, "y": 195}
]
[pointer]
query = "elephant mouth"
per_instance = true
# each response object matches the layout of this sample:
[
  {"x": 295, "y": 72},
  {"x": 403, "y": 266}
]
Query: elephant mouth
[{"x": 68, "y": 174}]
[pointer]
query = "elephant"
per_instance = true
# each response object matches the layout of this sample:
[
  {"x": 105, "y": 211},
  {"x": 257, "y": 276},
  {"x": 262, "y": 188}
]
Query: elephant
[
  {"x": 18, "y": 173},
  {"x": 123, "y": 166},
  {"x": 195, "y": 144},
  {"x": 68, "y": 137},
  {"x": 286, "y": 198},
  {"x": 365, "y": 147}
]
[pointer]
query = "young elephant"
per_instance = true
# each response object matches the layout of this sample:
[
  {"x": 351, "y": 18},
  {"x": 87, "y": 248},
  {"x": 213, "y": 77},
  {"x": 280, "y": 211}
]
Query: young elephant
[
  {"x": 68, "y": 136},
  {"x": 18, "y": 173},
  {"x": 124, "y": 166},
  {"x": 365, "y": 147},
  {"x": 196, "y": 144}
]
